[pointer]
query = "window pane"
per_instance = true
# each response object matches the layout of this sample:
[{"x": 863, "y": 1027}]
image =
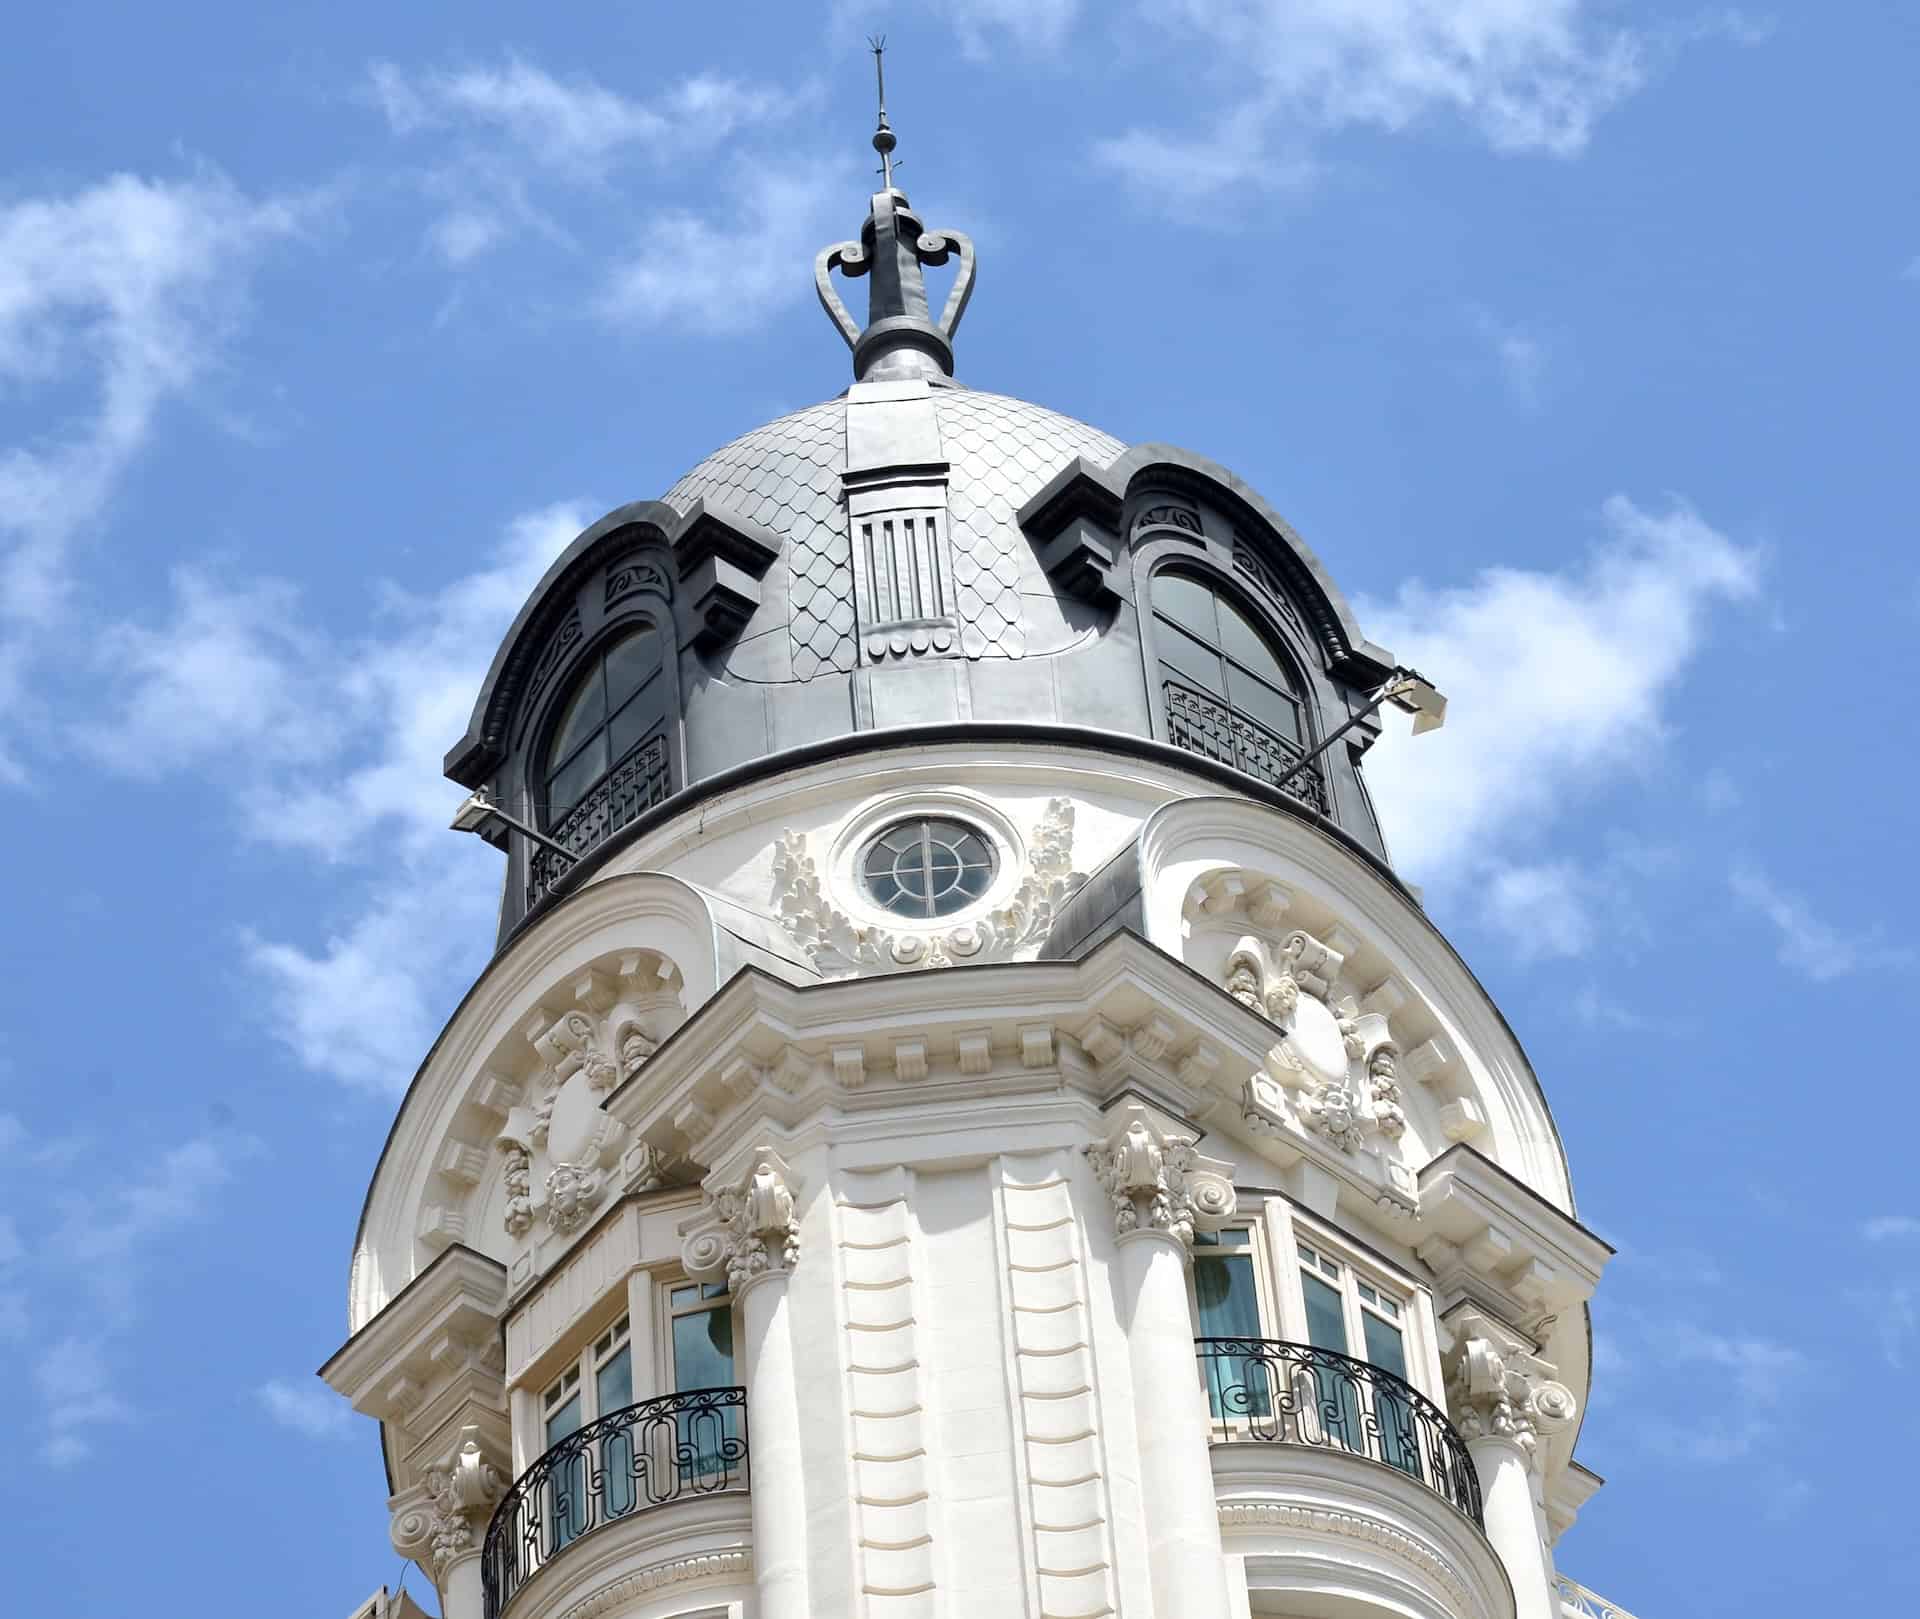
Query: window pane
[
  {"x": 1223, "y": 1284},
  {"x": 613, "y": 1384},
  {"x": 1385, "y": 1347},
  {"x": 584, "y": 714},
  {"x": 631, "y": 724},
  {"x": 586, "y": 767},
  {"x": 1326, "y": 1320},
  {"x": 1263, "y": 703},
  {"x": 630, "y": 663},
  {"x": 1399, "y": 1439},
  {"x": 1186, "y": 601},
  {"x": 1189, "y": 660},
  {"x": 703, "y": 1349},
  {"x": 1243, "y": 643},
  {"x": 564, "y": 1421}
]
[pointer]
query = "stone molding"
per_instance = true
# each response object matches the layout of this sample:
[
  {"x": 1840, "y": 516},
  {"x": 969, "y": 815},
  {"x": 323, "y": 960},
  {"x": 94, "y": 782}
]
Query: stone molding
[
  {"x": 615, "y": 1594},
  {"x": 750, "y": 1229},
  {"x": 445, "y": 1518},
  {"x": 1497, "y": 1388},
  {"x": 837, "y": 944},
  {"x": 1155, "y": 1181},
  {"x": 1397, "y": 1542}
]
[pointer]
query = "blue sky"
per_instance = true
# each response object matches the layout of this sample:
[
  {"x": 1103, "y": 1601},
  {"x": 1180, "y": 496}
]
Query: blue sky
[{"x": 1578, "y": 339}]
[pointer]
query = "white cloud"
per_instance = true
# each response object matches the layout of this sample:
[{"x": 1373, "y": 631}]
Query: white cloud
[
  {"x": 306, "y": 1408},
  {"x": 508, "y": 142},
  {"x": 74, "y": 1391},
  {"x": 1529, "y": 76},
  {"x": 1890, "y": 1228},
  {"x": 687, "y": 271},
  {"x": 1554, "y": 680},
  {"x": 1807, "y": 944},
  {"x": 363, "y": 793},
  {"x": 122, "y": 293},
  {"x": 1542, "y": 908},
  {"x": 1521, "y": 355}
]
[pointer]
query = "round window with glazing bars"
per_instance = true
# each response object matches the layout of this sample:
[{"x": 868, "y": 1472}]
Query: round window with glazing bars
[{"x": 927, "y": 867}]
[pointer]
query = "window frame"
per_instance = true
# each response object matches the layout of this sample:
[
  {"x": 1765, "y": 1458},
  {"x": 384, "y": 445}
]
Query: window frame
[
  {"x": 584, "y": 1372},
  {"x": 541, "y": 771},
  {"x": 1358, "y": 1265},
  {"x": 1204, "y": 568},
  {"x": 666, "y": 1369}
]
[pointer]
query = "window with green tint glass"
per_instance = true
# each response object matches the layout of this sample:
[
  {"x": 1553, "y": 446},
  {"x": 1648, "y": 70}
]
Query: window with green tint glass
[
  {"x": 700, "y": 1332},
  {"x": 1352, "y": 1316},
  {"x": 1226, "y": 1295}
]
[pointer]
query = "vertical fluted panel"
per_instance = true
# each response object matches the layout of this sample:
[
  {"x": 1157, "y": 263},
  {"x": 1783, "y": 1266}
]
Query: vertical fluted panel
[
  {"x": 886, "y": 1388},
  {"x": 1059, "y": 1414}
]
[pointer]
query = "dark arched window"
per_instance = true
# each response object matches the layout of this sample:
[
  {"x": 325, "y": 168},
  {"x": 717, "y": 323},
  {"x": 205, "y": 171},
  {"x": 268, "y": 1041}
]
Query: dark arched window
[
  {"x": 1228, "y": 692},
  {"x": 611, "y": 742}
]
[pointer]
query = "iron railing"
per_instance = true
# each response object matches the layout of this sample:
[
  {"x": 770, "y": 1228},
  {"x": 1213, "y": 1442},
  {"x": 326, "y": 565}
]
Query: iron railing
[
  {"x": 1201, "y": 723},
  {"x": 1576, "y": 1600},
  {"x": 671, "y": 1449},
  {"x": 639, "y": 779},
  {"x": 1263, "y": 1391}
]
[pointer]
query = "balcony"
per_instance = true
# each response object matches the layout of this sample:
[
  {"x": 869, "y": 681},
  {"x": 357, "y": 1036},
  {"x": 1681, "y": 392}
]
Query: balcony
[
  {"x": 1577, "y": 1602},
  {"x": 639, "y": 779},
  {"x": 1264, "y": 1392},
  {"x": 680, "y": 1447},
  {"x": 1201, "y": 723}
]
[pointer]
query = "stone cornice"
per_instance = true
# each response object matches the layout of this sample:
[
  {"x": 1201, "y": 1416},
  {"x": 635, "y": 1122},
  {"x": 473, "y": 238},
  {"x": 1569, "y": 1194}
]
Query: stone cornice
[
  {"x": 1490, "y": 1238},
  {"x": 617, "y": 1593},
  {"x": 1398, "y": 1543},
  {"x": 458, "y": 1298}
]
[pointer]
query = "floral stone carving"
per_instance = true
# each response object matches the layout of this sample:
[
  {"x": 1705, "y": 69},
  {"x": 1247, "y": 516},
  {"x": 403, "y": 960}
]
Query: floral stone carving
[
  {"x": 1156, "y": 1181},
  {"x": 1497, "y": 1388},
  {"x": 756, "y": 1230},
  {"x": 460, "y": 1493},
  {"x": 566, "y": 1143},
  {"x": 837, "y": 944}
]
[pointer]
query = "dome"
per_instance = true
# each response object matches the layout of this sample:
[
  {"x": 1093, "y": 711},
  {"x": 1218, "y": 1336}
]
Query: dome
[{"x": 786, "y": 476}]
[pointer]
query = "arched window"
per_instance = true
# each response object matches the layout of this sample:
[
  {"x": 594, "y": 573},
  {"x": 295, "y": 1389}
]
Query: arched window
[
  {"x": 614, "y": 724},
  {"x": 1228, "y": 693}
]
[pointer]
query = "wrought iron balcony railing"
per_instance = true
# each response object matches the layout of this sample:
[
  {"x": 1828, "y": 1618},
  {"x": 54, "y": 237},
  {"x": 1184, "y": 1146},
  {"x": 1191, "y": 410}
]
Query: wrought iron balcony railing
[
  {"x": 1263, "y": 1391},
  {"x": 639, "y": 780},
  {"x": 1577, "y": 1602},
  {"x": 671, "y": 1449},
  {"x": 1201, "y": 723}
]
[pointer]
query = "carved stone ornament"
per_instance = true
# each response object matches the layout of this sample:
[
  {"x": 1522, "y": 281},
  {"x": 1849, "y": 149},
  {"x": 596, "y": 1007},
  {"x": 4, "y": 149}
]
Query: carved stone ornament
[
  {"x": 753, "y": 1229},
  {"x": 459, "y": 1496},
  {"x": 1500, "y": 1390},
  {"x": 1337, "y": 1063},
  {"x": 1156, "y": 1181},
  {"x": 837, "y": 944},
  {"x": 566, "y": 1143}
]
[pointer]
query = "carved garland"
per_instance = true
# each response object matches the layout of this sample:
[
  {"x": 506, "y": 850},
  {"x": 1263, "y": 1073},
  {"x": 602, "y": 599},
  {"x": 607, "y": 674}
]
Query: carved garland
[{"x": 837, "y": 944}]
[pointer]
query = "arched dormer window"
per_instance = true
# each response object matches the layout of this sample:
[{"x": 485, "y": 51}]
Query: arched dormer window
[
  {"x": 608, "y": 756},
  {"x": 1228, "y": 692}
]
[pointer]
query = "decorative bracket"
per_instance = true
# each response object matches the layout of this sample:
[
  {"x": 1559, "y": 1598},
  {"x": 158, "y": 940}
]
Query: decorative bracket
[{"x": 1155, "y": 1181}]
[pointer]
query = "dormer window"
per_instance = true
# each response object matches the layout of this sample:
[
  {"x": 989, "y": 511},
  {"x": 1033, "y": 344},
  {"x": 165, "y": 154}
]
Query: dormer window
[
  {"x": 1227, "y": 691},
  {"x": 609, "y": 714}
]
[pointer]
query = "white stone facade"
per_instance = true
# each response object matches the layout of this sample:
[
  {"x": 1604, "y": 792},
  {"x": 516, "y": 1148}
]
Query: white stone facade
[{"x": 953, "y": 1196}]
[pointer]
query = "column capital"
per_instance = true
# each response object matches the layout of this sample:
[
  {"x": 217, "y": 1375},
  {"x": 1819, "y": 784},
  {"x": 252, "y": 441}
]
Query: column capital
[
  {"x": 750, "y": 1229},
  {"x": 1155, "y": 1181},
  {"x": 1498, "y": 1388},
  {"x": 440, "y": 1522}
]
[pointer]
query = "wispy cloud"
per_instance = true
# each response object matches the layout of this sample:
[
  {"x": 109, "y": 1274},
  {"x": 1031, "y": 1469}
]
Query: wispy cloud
[
  {"x": 121, "y": 293},
  {"x": 1891, "y": 1228},
  {"x": 1557, "y": 680},
  {"x": 1521, "y": 355},
  {"x": 1806, "y": 943},
  {"x": 307, "y": 1409},
  {"x": 363, "y": 793},
  {"x": 75, "y": 1392},
  {"x": 1525, "y": 76}
]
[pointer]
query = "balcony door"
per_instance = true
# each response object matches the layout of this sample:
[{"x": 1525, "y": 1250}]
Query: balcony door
[{"x": 700, "y": 1346}]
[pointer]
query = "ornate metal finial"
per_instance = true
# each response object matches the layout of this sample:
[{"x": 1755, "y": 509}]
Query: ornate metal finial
[
  {"x": 884, "y": 140},
  {"x": 900, "y": 339}
]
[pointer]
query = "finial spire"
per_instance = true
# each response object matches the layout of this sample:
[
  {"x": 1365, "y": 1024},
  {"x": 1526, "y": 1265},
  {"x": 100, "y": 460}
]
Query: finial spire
[
  {"x": 900, "y": 339},
  {"x": 884, "y": 140}
]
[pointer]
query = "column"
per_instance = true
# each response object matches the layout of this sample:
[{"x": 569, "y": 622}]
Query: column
[
  {"x": 757, "y": 1238},
  {"x": 1176, "y": 1475},
  {"x": 773, "y": 1444},
  {"x": 441, "y": 1523},
  {"x": 461, "y": 1596},
  {"x": 1158, "y": 1186},
  {"x": 1502, "y": 1397}
]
